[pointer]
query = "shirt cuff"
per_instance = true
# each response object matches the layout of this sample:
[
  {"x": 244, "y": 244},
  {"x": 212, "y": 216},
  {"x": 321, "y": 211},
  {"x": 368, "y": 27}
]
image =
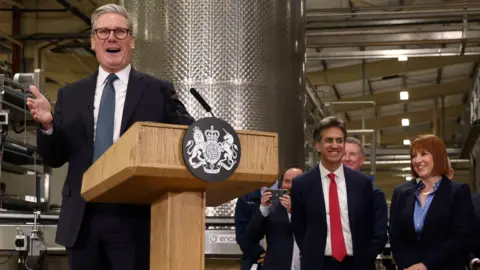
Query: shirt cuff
[
  {"x": 474, "y": 260},
  {"x": 48, "y": 131},
  {"x": 265, "y": 210}
]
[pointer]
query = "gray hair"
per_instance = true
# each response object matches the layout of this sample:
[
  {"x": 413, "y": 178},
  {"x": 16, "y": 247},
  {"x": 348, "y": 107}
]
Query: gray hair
[
  {"x": 111, "y": 8},
  {"x": 356, "y": 141}
]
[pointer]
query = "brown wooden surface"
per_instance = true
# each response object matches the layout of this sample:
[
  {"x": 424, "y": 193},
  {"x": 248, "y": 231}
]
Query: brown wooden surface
[
  {"x": 147, "y": 160},
  {"x": 177, "y": 237}
]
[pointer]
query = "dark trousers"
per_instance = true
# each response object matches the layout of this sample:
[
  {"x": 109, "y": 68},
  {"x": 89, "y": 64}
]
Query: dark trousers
[
  {"x": 111, "y": 240},
  {"x": 332, "y": 264}
]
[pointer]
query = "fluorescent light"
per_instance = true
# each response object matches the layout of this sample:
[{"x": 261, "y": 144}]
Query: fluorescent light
[
  {"x": 402, "y": 58},
  {"x": 406, "y": 142},
  {"x": 404, "y": 95},
  {"x": 405, "y": 122},
  {"x": 408, "y": 178}
]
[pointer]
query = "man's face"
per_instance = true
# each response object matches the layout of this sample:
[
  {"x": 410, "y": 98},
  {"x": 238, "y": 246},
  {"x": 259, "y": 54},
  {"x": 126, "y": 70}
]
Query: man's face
[
  {"x": 288, "y": 177},
  {"x": 113, "y": 48},
  {"x": 331, "y": 145},
  {"x": 353, "y": 157}
]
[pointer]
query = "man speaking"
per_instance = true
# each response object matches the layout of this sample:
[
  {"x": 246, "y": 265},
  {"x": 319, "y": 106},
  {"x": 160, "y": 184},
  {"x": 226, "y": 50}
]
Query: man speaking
[{"x": 90, "y": 115}]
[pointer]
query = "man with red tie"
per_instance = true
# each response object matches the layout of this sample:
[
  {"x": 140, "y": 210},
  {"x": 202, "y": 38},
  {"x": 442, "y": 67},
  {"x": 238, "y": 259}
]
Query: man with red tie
[{"x": 332, "y": 207}]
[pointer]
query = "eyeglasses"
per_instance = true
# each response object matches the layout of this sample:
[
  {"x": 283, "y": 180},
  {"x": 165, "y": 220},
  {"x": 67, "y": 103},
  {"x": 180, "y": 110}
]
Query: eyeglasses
[{"x": 104, "y": 33}]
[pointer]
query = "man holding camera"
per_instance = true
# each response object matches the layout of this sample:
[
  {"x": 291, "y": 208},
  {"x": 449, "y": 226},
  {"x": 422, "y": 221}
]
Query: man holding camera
[{"x": 273, "y": 221}]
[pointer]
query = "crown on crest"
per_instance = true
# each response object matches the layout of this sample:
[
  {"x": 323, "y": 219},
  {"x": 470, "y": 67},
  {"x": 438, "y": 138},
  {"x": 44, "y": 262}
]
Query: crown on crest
[{"x": 211, "y": 134}]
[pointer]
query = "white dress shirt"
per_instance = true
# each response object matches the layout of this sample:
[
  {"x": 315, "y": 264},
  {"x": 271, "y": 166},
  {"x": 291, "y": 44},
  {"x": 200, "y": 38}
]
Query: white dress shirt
[
  {"x": 296, "y": 251},
  {"x": 120, "y": 94},
  {"x": 343, "y": 201}
]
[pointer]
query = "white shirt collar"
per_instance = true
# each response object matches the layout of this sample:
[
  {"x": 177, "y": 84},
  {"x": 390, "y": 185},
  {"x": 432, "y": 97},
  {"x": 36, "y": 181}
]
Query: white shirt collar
[
  {"x": 339, "y": 173},
  {"x": 122, "y": 75}
]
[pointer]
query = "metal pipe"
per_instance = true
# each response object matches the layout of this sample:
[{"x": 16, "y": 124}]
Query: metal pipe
[
  {"x": 389, "y": 23},
  {"x": 53, "y": 36},
  {"x": 314, "y": 100},
  {"x": 350, "y": 102},
  {"x": 75, "y": 11},
  {"x": 34, "y": 9},
  {"x": 383, "y": 14},
  {"x": 360, "y": 131},
  {"x": 379, "y": 31},
  {"x": 16, "y": 216},
  {"x": 399, "y": 7}
]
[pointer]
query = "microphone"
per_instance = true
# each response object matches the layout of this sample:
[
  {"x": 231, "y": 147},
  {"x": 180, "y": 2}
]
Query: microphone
[{"x": 202, "y": 101}]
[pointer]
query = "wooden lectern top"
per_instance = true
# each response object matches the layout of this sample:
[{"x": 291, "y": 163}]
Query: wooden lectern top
[{"x": 147, "y": 161}]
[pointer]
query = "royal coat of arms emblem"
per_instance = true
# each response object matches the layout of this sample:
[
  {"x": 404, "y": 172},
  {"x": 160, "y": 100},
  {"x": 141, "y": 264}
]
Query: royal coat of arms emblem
[{"x": 211, "y": 150}]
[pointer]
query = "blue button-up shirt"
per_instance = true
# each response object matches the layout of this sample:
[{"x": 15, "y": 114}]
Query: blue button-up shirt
[{"x": 420, "y": 212}]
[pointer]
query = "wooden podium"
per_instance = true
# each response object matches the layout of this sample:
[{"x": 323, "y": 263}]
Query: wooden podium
[{"x": 145, "y": 166}]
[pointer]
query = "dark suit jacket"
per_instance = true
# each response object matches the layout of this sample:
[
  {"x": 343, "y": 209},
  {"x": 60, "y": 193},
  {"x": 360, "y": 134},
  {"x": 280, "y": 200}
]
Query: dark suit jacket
[
  {"x": 278, "y": 230},
  {"x": 476, "y": 239},
  {"x": 380, "y": 236},
  {"x": 309, "y": 217},
  {"x": 444, "y": 242},
  {"x": 147, "y": 99},
  {"x": 245, "y": 209}
]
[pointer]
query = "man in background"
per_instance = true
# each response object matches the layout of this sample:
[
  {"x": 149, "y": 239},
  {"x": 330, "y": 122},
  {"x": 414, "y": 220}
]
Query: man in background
[
  {"x": 354, "y": 158},
  {"x": 273, "y": 220},
  {"x": 245, "y": 208}
]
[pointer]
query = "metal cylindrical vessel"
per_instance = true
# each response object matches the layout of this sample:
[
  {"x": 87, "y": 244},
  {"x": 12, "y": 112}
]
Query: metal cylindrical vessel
[{"x": 245, "y": 57}]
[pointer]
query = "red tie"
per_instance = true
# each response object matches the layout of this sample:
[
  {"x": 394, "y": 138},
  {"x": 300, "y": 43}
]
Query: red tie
[{"x": 339, "y": 251}]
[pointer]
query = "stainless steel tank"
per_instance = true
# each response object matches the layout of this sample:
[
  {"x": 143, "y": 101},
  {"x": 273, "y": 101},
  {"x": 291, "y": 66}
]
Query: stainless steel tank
[{"x": 245, "y": 57}]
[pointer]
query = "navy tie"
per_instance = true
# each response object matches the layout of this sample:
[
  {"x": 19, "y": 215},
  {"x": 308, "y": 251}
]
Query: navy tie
[{"x": 105, "y": 119}]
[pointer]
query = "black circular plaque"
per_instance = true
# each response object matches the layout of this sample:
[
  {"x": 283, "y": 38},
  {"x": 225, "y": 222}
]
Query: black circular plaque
[{"x": 211, "y": 149}]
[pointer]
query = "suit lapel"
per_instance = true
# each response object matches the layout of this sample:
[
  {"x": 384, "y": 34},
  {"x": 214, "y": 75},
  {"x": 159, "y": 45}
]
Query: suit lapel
[
  {"x": 410, "y": 207},
  {"x": 86, "y": 99},
  {"x": 437, "y": 202},
  {"x": 316, "y": 179},
  {"x": 351, "y": 196},
  {"x": 135, "y": 88}
]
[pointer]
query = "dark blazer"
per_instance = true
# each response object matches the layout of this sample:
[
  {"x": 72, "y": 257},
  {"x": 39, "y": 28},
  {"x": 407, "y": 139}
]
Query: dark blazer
[
  {"x": 278, "y": 230},
  {"x": 444, "y": 242},
  {"x": 309, "y": 217},
  {"x": 380, "y": 236},
  {"x": 147, "y": 99},
  {"x": 476, "y": 239},
  {"x": 245, "y": 209}
]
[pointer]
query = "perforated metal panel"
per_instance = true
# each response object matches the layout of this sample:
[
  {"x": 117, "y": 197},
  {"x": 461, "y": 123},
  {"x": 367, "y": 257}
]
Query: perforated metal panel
[{"x": 245, "y": 57}]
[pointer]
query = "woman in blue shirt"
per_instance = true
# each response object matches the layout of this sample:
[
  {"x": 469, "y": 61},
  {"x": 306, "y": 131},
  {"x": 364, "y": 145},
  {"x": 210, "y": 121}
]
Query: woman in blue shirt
[{"x": 431, "y": 216}]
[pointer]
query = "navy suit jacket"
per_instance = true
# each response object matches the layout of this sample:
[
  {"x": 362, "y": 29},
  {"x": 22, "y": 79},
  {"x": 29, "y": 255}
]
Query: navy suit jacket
[
  {"x": 245, "y": 209},
  {"x": 309, "y": 221},
  {"x": 476, "y": 239},
  {"x": 278, "y": 231},
  {"x": 147, "y": 99},
  {"x": 444, "y": 242},
  {"x": 380, "y": 237}
]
